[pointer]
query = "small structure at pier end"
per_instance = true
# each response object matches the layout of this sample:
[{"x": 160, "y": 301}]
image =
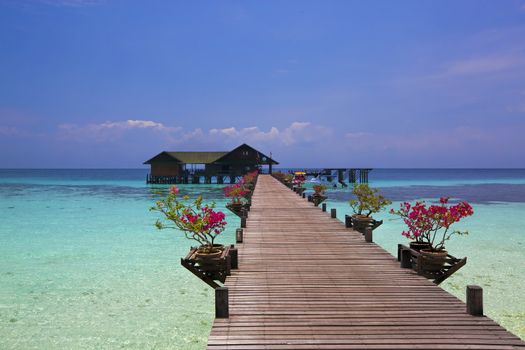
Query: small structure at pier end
[{"x": 202, "y": 167}]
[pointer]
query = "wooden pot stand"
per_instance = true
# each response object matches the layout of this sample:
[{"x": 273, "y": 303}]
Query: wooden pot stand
[
  {"x": 209, "y": 274},
  {"x": 239, "y": 209},
  {"x": 299, "y": 190},
  {"x": 418, "y": 262},
  {"x": 361, "y": 225},
  {"x": 318, "y": 199}
]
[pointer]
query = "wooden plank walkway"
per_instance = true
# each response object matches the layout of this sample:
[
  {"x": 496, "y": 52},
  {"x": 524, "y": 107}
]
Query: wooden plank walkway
[{"x": 307, "y": 282}]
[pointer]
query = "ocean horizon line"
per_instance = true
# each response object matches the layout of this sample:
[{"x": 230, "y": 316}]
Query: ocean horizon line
[{"x": 278, "y": 168}]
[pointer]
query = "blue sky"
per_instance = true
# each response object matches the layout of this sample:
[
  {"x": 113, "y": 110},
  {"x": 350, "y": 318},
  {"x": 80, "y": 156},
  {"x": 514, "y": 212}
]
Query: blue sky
[{"x": 87, "y": 83}]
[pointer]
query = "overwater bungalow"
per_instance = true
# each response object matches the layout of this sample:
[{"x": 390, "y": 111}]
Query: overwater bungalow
[{"x": 203, "y": 167}]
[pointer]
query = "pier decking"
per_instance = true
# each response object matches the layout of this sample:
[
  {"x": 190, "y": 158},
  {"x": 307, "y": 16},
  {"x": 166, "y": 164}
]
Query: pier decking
[{"x": 307, "y": 282}]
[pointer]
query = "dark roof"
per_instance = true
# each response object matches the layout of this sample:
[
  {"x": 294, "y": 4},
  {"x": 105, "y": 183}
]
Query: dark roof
[
  {"x": 197, "y": 157},
  {"x": 261, "y": 155},
  {"x": 190, "y": 157},
  {"x": 205, "y": 157}
]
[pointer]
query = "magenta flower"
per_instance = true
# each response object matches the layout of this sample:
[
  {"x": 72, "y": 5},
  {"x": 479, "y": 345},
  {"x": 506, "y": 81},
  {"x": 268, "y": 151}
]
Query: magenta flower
[{"x": 432, "y": 224}]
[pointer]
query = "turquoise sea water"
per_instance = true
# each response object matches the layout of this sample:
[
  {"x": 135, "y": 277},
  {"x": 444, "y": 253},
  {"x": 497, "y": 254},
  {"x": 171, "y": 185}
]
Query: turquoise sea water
[{"x": 81, "y": 265}]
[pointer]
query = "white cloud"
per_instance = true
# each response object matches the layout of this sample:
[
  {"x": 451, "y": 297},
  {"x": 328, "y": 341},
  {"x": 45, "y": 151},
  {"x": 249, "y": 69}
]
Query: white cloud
[
  {"x": 294, "y": 133},
  {"x": 111, "y": 130},
  {"x": 131, "y": 124}
]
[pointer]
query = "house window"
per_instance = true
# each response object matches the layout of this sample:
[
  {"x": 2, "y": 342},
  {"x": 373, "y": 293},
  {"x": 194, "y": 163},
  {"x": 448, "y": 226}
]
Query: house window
[{"x": 244, "y": 153}]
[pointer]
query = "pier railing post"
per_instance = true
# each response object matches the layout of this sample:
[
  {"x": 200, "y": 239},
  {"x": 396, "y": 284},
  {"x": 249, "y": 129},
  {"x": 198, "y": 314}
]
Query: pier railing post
[
  {"x": 348, "y": 221},
  {"x": 368, "y": 235},
  {"x": 304, "y": 195},
  {"x": 234, "y": 256},
  {"x": 228, "y": 265},
  {"x": 243, "y": 221},
  {"x": 310, "y": 199},
  {"x": 474, "y": 300},
  {"x": 406, "y": 259},
  {"x": 333, "y": 213},
  {"x": 221, "y": 303},
  {"x": 323, "y": 207},
  {"x": 239, "y": 235}
]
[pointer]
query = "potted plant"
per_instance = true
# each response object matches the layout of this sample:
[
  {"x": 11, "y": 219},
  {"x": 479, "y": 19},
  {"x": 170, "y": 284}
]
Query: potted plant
[
  {"x": 250, "y": 179},
  {"x": 367, "y": 202},
  {"x": 279, "y": 176},
  {"x": 288, "y": 181},
  {"x": 298, "y": 181},
  {"x": 237, "y": 194},
  {"x": 430, "y": 226},
  {"x": 199, "y": 222},
  {"x": 318, "y": 197}
]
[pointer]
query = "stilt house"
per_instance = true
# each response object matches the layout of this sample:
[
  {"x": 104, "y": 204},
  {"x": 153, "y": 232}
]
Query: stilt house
[{"x": 192, "y": 167}]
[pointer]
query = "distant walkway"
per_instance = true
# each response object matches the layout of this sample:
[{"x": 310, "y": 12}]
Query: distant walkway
[{"x": 307, "y": 282}]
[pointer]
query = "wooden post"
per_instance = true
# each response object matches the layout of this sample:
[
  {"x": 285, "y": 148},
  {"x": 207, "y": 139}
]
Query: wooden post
[
  {"x": 368, "y": 235},
  {"x": 348, "y": 221},
  {"x": 310, "y": 199},
  {"x": 221, "y": 303},
  {"x": 239, "y": 233},
  {"x": 234, "y": 255},
  {"x": 333, "y": 213},
  {"x": 406, "y": 259},
  {"x": 474, "y": 300},
  {"x": 228, "y": 265},
  {"x": 243, "y": 221},
  {"x": 323, "y": 206},
  {"x": 244, "y": 212},
  {"x": 304, "y": 195}
]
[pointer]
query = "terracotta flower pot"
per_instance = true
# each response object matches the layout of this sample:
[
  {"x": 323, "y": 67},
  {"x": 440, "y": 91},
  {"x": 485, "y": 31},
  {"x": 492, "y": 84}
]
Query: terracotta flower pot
[
  {"x": 208, "y": 259},
  {"x": 237, "y": 208},
  {"x": 433, "y": 260},
  {"x": 419, "y": 245},
  {"x": 360, "y": 222},
  {"x": 318, "y": 199}
]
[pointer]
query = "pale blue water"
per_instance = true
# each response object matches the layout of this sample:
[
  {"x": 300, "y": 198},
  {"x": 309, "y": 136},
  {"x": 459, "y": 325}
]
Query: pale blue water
[{"x": 81, "y": 265}]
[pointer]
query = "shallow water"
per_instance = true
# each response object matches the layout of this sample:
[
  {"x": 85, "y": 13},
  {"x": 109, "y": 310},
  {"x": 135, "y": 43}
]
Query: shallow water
[
  {"x": 495, "y": 255},
  {"x": 81, "y": 265}
]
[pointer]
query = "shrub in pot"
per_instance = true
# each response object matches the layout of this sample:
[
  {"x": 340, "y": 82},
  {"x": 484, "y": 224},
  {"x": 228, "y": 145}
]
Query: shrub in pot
[
  {"x": 319, "y": 194},
  {"x": 298, "y": 182},
  {"x": 249, "y": 180},
  {"x": 237, "y": 194},
  {"x": 197, "y": 221},
  {"x": 367, "y": 201}
]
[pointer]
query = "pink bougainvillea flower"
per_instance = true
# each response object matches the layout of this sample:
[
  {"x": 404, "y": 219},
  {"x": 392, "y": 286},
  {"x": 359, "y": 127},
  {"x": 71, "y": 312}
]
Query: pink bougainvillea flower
[{"x": 431, "y": 224}]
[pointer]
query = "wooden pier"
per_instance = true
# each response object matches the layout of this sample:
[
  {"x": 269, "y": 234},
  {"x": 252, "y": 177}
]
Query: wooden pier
[
  {"x": 341, "y": 174},
  {"x": 304, "y": 281}
]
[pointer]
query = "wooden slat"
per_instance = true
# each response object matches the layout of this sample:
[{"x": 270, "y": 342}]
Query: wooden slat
[{"x": 307, "y": 282}]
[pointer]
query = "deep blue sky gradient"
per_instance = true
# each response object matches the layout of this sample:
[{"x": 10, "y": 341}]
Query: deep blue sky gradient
[{"x": 86, "y": 83}]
